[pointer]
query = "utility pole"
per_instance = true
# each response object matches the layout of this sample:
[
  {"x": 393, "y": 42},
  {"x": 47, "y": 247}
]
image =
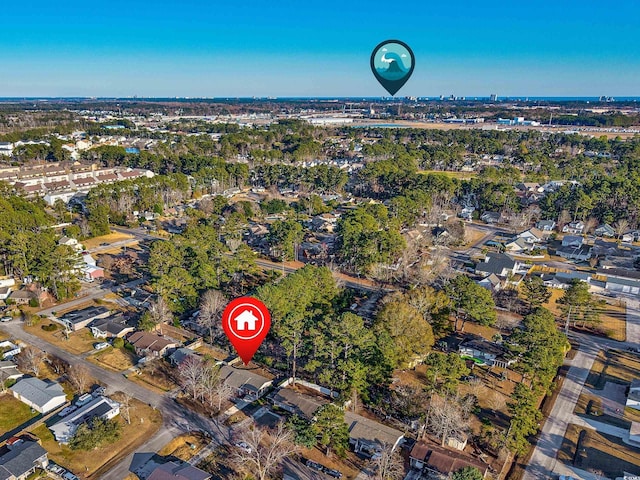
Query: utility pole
[{"x": 566, "y": 324}]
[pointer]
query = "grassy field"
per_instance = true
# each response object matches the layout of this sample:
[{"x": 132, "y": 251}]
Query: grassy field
[
  {"x": 111, "y": 238},
  {"x": 13, "y": 412},
  {"x": 116, "y": 359},
  {"x": 79, "y": 342},
  {"x": 612, "y": 316},
  {"x": 603, "y": 453},
  {"x": 145, "y": 422},
  {"x": 613, "y": 366},
  {"x": 184, "y": 447}
]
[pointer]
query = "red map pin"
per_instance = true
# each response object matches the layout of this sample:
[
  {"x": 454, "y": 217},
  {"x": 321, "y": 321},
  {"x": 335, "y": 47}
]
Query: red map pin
[{"x": 246, "y": 321}]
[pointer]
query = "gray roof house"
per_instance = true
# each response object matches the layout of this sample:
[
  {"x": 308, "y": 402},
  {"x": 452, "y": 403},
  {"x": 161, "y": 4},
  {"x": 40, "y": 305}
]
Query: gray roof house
[
  {"x": 110, "y": 327},
  {"x": 78, "y": 319},
  {"x": 101, "y": 407},
  {"x": 546, "y": 225},
  {"x": 8, "y": 371},
  {"x": 369, "y": 437},
  {"x": 245, "y": 382},
  {"x": 499, "y": 264},
  {"x": 20, "y": 457},
  {"x": 181, "y": 354},
  {"x": 40, "y": 395},
  {"x": 178, "y": 471},
  {"x": 298, "y": 403}
]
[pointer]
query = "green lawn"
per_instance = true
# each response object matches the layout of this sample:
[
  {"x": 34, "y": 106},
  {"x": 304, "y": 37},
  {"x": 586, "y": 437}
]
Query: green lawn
[{"x": 13, "y": 413}]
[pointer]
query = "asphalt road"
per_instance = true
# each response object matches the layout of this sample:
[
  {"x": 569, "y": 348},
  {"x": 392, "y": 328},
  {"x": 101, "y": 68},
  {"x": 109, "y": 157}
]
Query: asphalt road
[{"x": 543, "y": 463}]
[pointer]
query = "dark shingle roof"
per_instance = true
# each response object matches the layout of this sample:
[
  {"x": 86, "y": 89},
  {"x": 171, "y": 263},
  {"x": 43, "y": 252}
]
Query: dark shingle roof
[{"x": 19, "y": 458}]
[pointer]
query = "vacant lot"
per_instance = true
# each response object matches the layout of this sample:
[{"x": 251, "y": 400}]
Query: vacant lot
[
  {"x": 111, "y": 238},
  {"x": 184, "y": 447},
  {"x": 598, "y": 452},
  {"x": 78, "y": 342},
  {"x": 13, "y": 412},
  {"x": 116, "y": 359},
  {"x": 613, "y": 366},
  {"x": 156, "y": 376},
  {"x": 145, "y": 421}
]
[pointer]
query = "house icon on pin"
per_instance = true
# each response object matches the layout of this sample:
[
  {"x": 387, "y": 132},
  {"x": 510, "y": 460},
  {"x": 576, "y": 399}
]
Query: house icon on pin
[{"x": 246, "y": 321}]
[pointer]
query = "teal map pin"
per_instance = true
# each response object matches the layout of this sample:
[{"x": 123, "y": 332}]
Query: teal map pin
[{"x": 392, "y": 63}]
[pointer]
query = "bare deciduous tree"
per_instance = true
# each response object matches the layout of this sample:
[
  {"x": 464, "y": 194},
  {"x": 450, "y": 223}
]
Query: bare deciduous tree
[
  {"x": 496, "y": 401},
  {"x": 58, "y": 365},
  {"x": 264, "y": 450},
  {"x": 590, "y": 224},
  {"x": 388, "y": 465},
  {"x": 79, "y": 377},
  {"x": 191, "y": 373},
  {"x": 477, "y": 387},
  {"x": 124, "y": 399},
  {"x": 446, "y": 418},
  {"x": 211, "y": 306},
  {"x": 30, "y": 359},
  {"x": 159, "y": 311},
  {"x": 620, "y": 227}
]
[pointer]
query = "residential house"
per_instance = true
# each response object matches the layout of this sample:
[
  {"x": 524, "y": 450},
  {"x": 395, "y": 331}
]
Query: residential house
[
  {"x": 467, "y": 213},
  {"x": 70, "y": 242},
  {"x": 546, "y": 225},
  {"x": 110, "y": 327},
  {"x": 573, "y": 241},
  {"x": 178, "y": 471},
  {"x": 20, "y": 457},
  {"x": 247, "y": 384},
  {"x": 518, "y": 245},
  {"x": 304, "y": 406},
  {"x": 41, "y": 395},
  {"x": 21, "y": 297},
  {"x": 484, "y": 352},
  {"x": 6, "y": 287},
  {"x": 490, "y": 217},
  {"x": 578, "y": 254},
  {"x": 9, "y": 350},
  {"x": 100, "y": 407},
  {"x": 441, "y": 461},
  {"x": 576, "y": 227},
  {"x": 633, "y": 398},
  {"x": 8, "y": 371},
  {"x": 491, "y": 283},
  {"x": 563, "y": 280},
  {"x": 534, "y": 236},
  {"x": 77, "y": 319},
  {"x": 148, "y": 344},
  {"x": 624, "y": 286},
  {"x": 605, "y": 230},
  {"x": 369, "y": 437},
  {"x": 180, "y": 355},
  {"x": 501, "y": 265}
]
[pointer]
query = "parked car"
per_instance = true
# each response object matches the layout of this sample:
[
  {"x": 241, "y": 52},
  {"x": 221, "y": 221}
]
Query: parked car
[
  {"x": 53, "y": 467},
  {"x": 105, "y": 244},
  {"x": 332, "y": 472},
  {"x": 98, "y": 391},
  {"x": 83, "y": 399},
  {"x": 314, "y": 465},
  {"x": 5, "y": 319},
  {"x": 101, "y": 345},
  {"x": 67, "y": 410}
]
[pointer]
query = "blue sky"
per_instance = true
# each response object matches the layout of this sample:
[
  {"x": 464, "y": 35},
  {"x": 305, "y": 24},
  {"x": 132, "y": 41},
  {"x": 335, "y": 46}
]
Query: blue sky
[{"x": 316, "y": 48}]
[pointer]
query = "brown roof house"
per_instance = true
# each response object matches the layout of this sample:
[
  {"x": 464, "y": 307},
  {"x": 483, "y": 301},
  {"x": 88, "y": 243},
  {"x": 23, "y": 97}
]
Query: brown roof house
[
  {"x": 439, "y": 460},
  {"x": 150, "y": 344}
]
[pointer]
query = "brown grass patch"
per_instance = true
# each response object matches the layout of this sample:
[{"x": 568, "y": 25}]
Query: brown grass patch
[
  {"x": 116, "y": 359},
  {"x": 94, "y": 463},
  {"x": 79, "y": 342},
  {"x": 184, "y": 447},
  {"x": 111, "y": 238},
  {"x": 613, "y": 366},
  {"x": 598, "y": 452},
  {"x": 350, "y": 466}
]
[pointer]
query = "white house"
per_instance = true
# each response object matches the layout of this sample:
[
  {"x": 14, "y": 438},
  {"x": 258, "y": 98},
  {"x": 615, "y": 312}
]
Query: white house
[
  {"x": 9, "y": 349},
  {"x": 574, "y": 227},
  {"x": 546, "y": 225},
  {"x": 6, "y": 287},
  {"x": 42, "y": 396},
  {"x": 100, "y": 407}
]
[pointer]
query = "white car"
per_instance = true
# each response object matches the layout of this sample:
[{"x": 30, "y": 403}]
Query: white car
[
  {"x": 101, "y": 345},
  {"x": 5, "y": 319},
  {"x": 66, "y": 411}
]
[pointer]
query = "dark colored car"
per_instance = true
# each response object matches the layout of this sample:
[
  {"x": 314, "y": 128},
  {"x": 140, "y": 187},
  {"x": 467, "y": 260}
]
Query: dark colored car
[
  {"x": 314, "y": 465},
  {"x": 332, "y": 473}
]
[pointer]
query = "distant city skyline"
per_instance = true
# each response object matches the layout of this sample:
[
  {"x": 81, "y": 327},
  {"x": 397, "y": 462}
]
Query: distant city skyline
[{"x": 194, "y": 48}]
